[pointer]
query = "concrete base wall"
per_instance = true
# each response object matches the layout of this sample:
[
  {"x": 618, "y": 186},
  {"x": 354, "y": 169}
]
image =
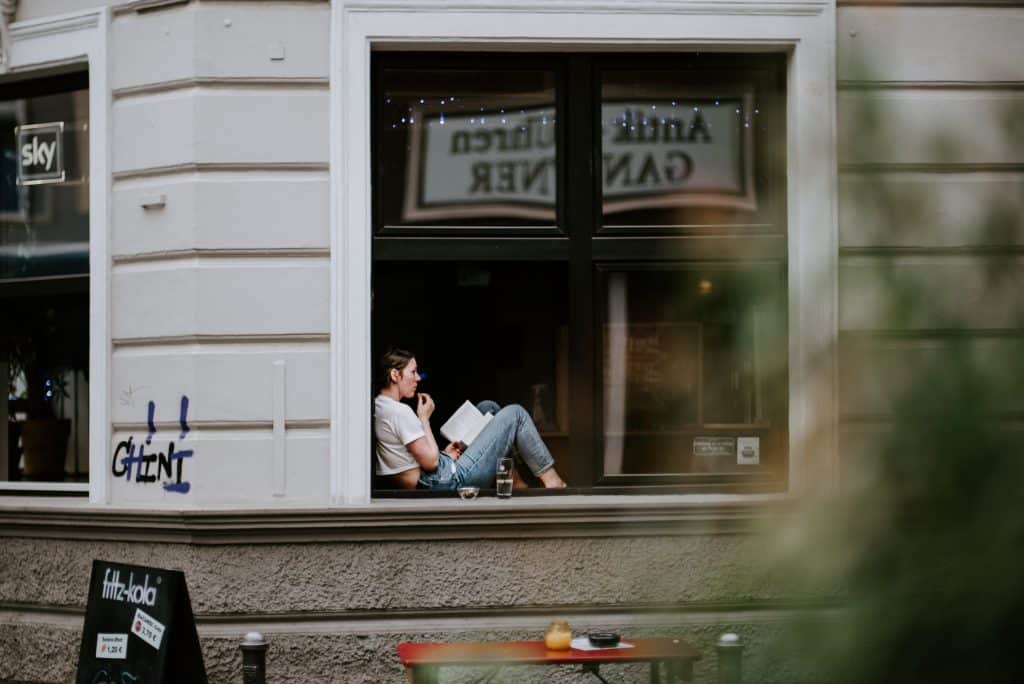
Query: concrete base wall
[{"x": 334, "y": 612}]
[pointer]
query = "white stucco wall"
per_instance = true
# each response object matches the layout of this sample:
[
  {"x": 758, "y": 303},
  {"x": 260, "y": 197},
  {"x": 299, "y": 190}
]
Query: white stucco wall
[
  {"x": 221, "y": 230},
  {"x": 39, "y": 9},
  {"x": 220, "y": 109},
  {"x": 931, "y": 195}
]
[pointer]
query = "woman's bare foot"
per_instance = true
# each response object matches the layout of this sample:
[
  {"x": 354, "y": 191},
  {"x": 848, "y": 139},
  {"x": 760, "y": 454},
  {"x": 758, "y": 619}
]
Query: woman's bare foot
[{"x": 551, "y": 479}]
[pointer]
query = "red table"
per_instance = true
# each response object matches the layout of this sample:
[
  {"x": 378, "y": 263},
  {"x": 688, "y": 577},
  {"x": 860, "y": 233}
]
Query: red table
[{"x": 424, "y": 660}]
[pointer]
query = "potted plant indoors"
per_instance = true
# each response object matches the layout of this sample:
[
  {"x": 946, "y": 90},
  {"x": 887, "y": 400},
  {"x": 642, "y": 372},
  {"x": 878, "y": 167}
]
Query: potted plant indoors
[{"x": 39, "y": 352}]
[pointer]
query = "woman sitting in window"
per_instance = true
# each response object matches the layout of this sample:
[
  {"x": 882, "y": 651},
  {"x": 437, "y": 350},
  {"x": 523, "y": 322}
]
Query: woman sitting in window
[{"x": 408, "y": 455}]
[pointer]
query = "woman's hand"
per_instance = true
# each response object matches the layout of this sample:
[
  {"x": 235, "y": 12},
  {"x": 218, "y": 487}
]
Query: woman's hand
[
  {"x": 424, "y": 406},
  {"x": 453, "y": 450}
]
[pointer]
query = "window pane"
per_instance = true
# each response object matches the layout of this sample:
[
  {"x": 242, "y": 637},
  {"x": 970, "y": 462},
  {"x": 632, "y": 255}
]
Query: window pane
[
  {"x": 44, "y": 290},
  {"x": 678, "y": 371},
  {"x": 44, "y": 225},
  {"x": 693, "y": 358},
  {"x": 482, "y": 330},
  {"x": 690, "y": 147},
  {"x": 466, "y": 147}
]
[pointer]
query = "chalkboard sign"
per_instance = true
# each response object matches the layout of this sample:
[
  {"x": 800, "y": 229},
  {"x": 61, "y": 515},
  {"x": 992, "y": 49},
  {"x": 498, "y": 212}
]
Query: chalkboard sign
[{"x": 139, "y": 628}]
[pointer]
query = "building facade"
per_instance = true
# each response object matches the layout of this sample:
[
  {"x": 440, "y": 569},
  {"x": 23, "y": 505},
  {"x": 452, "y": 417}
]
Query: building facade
[{"x": 254, "y": 197}]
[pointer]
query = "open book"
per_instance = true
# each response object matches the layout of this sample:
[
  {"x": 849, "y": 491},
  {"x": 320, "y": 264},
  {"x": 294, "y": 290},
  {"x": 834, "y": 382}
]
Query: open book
[{"x": 465, "y": 424}]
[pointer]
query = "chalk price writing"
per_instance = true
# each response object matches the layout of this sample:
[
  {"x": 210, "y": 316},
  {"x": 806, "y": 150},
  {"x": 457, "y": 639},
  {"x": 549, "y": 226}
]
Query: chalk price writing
[{"x": 131, "y": 457}]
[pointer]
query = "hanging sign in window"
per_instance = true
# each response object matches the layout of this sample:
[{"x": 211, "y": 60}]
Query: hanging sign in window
[
  {"x": 673, "y": 153},
  {"x": 40, "y": 153},
  {"x": 693, "y": 151},
  {"x": 491, "y": 163}
]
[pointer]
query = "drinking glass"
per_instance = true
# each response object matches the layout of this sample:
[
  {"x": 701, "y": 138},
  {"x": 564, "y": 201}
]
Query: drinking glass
[{"x": 503, "y": 478}]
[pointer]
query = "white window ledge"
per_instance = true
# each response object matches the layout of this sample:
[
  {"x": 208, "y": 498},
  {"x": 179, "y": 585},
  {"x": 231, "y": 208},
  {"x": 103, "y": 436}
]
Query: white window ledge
[
  {"x": 46, "y": 487},
  {"x": 533, "y": 517}
]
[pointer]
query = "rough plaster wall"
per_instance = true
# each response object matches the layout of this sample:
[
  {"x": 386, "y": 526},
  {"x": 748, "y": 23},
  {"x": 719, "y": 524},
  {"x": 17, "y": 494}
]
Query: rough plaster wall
[
  {"x": 301, "y": 594},
  {"x": 269, "y": 579},
  {"x": 33, "y": 651},
  {"x": 42, "y": 653}
]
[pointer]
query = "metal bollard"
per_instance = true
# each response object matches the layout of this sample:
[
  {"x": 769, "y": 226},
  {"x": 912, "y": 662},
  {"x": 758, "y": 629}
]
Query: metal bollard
[
  {"x": 730, "y": 659},
  {"x": 254, "y": 659}
]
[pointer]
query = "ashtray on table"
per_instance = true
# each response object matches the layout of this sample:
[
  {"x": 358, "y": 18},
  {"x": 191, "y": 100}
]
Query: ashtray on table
[{"x": 603, "y": 639}]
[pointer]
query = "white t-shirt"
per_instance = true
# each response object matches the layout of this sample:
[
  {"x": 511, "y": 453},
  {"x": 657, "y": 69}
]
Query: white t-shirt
[{"x": 395, "y": 425}]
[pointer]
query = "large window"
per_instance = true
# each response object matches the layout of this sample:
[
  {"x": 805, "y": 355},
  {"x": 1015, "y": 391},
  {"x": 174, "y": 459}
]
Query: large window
[
  {"x": 44, "y": 278},
  {"x": 600, "y": 238}
]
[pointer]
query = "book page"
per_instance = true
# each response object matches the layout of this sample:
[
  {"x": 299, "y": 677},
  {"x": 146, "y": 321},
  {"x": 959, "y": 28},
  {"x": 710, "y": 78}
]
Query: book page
[{"x": 461, "y": 423}]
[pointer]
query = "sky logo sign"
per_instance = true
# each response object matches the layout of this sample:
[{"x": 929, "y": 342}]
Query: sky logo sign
[{"x": 42, "y": 154}]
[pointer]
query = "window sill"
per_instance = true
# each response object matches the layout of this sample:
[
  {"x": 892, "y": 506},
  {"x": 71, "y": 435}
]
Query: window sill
[
  {"x": 400, "y": 520},
  {"x": 44, "y": 488}
]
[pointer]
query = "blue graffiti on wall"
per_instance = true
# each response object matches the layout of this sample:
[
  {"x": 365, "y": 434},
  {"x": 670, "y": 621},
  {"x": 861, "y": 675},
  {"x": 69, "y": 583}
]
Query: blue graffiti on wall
[{"x": 131, "y": 458}]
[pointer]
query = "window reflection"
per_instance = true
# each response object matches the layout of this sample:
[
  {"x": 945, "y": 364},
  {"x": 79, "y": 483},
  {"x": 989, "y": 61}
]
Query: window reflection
[
  {"x": 689, "y": 354},
  {"x": 471, "y": 147},
  {"x": 44, "y": 286},
  {"x": 685, "y": 151},
  {"x": 44, "y": 228},
  {"x": 648, "y": 338},
  {"x": 688, "y": 146}
]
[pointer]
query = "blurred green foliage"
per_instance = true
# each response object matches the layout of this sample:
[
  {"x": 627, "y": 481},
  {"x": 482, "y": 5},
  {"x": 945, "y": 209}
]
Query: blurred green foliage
[{"x": 923, "y": 546}]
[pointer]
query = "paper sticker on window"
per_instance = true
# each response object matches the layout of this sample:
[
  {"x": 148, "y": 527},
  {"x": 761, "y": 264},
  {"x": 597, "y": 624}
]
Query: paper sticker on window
[
  {"x": 748, "y": 450},
  {"x": 714, "y": 446}
]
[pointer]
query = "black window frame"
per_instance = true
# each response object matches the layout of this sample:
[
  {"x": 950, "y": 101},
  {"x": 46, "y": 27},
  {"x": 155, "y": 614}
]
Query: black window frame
[
  {"x": 70, "y": 290},
  {"x": 580, "y": 239}
]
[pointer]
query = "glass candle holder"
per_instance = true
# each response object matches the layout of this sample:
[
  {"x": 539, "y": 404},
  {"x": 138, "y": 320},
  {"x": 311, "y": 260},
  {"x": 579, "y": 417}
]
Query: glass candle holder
[{"x": 558, "y": 636}]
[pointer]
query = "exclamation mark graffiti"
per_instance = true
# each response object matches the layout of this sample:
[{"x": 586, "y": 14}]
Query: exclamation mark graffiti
[
  {"x": 178, "y": 457},
  {"x": 183, "y": 417},
  {"x": 151, "y": 410}
]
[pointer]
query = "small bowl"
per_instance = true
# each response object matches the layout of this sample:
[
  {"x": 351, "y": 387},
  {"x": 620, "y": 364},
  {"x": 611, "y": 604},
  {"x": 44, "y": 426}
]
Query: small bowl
[
  {"x": 468, "y": 492},
  {"x": 603, "y": 639}
]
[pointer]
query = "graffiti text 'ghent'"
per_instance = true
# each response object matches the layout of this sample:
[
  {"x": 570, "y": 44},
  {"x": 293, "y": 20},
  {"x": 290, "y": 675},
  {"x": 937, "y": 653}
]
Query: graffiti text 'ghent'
[{"x": 149, "y": 465}]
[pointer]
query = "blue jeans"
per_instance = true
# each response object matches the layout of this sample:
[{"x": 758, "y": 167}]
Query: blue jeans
[{"x": 511, "y": 427}]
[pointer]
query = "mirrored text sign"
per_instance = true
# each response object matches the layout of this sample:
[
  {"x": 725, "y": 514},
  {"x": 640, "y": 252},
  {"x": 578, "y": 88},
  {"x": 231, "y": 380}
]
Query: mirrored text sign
[{"x": 682, "y": 152}]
